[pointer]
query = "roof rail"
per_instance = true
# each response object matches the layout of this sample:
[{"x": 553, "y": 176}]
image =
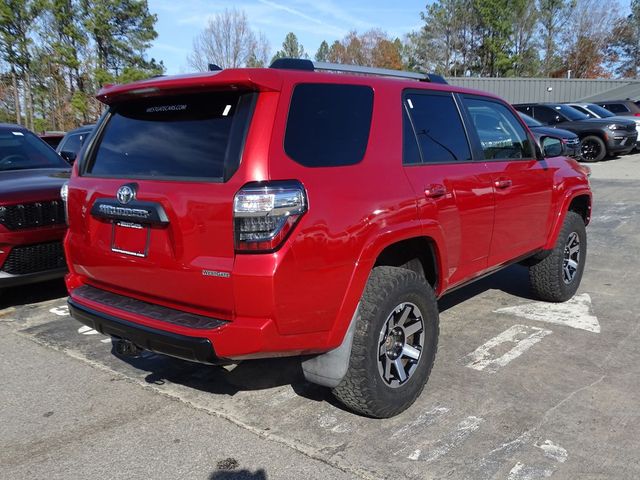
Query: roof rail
[{"x": 311, "y": 66}]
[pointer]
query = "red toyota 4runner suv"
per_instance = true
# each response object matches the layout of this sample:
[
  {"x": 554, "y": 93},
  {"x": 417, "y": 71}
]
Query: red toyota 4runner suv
[{"x": 251, "y": 213}]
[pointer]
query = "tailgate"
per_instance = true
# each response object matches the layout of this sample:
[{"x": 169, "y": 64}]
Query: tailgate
[{"x": 155, "y": 200}]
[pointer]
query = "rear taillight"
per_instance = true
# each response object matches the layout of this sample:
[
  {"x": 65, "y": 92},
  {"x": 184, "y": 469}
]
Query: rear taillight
[
  {"x": 636, "y": 114},
  {"x": 264, "y": 213}
]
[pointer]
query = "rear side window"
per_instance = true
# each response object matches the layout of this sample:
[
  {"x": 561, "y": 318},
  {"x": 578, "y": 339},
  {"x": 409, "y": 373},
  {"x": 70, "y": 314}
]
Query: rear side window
[
  {"x": 192, "y": 137},
  {"x": 72, "y": 143},
  {"x": 547, "y": 115},
  {"x": 328, "y": 124},
  {"x": 501, "y": 135},
  {"x": 438, "y": 128},
  {"x": 616, "y": 108}
]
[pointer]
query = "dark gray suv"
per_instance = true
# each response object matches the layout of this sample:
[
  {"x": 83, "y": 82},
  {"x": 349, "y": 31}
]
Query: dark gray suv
[{"x": 599, "y": 136}]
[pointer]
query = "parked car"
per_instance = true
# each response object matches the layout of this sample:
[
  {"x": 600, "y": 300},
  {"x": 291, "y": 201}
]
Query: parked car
[
  {"x": 621, "y": 107},
  {"x": 52, "y": 138},
  {"x": 599, "y": 137},
  {"x": 570, "y": 140},
  {"x": 73, "y": 141},
  {"x": 252, "y": 213},
  {"x": 593, "y": 110},
  {"x": 32, "y": 216}
]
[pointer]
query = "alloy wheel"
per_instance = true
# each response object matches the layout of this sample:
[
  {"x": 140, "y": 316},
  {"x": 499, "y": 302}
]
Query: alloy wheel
[
  {"x": 571, "y": 259},
  {"x": 590, "y": 150},
  {"x": 401, "y": 343}
]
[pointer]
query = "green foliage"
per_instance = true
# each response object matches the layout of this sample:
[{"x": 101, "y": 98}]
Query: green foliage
[
  {"x": 373, "y": 48},
  {"x": 322, "y": 55},
  {"x": 120, "y": 30},
  {"x": 624, "y": 43},
  {"x": 55, "y": 54},
  {"x": 554, "y": 14},
  {"x": 291, "y": 48},
  {"x": 514, "y": 38}
]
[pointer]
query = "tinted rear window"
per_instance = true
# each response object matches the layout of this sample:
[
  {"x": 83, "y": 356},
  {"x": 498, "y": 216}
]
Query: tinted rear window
[
  {"x": 188, "y": 137},
  {"x": 22, "y": 150},
  {"x": 328, "y": 124}
]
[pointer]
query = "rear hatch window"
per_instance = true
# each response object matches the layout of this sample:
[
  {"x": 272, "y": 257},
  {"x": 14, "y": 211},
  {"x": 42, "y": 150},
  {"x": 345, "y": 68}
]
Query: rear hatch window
[{"x": 188, "y": 137}]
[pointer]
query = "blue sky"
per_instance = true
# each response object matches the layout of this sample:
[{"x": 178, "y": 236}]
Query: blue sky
[{"x": 311, "y": 20}]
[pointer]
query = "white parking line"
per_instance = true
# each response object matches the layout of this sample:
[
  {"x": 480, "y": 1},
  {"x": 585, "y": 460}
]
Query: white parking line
[
  {"x": 86, "y": 330},
  {"x": 523, "y": 337},
  {"x": 330, "y": 422},
  {"x": 423, "y": 420},
  {"x": 524, "y": 472},
  {"x": 61, "y": 311},
  {"x": 575, "y": 313},
  {"x": 553, "y": 451},
  {"x": 450, "y": 441}
]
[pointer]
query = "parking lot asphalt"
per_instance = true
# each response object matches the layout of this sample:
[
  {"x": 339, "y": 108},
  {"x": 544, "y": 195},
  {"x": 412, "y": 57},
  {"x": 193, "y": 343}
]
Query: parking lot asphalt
[{"x": 520, "y": 389}]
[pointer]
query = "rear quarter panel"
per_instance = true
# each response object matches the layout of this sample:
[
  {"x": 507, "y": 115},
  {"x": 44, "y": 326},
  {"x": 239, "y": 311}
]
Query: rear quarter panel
[{"x": 353, "y": 212}]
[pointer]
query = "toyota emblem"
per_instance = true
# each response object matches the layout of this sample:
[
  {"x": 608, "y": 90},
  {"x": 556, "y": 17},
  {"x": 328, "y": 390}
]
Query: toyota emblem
[{"x": 126, "y": 193}]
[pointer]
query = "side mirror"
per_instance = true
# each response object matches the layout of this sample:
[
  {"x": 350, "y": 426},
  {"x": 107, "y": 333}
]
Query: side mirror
[
  {"x": 552, "y": 147},
  {"x": 68, "y": 156}
]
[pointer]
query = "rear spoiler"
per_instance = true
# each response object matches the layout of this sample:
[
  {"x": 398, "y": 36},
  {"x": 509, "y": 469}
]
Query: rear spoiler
[{"x": 235, "y": 79}]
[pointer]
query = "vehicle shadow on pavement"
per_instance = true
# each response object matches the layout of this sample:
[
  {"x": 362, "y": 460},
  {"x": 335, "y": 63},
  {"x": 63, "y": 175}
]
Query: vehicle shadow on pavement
[
  {"x": 249, "y": 375},
  {"x": 513, "y": 280},
  {"x": 238, "y": 475},
  {"x": 256, "y": 375},
  {"x": 32, "y": 293}
]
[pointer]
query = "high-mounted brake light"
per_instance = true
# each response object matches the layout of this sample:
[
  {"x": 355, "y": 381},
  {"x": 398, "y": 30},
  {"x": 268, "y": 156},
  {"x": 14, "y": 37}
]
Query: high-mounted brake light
[{"x": 264, "y": 213}]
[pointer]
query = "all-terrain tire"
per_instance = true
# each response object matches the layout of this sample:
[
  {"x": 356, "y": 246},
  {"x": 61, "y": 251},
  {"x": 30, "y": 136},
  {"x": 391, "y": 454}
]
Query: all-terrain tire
[
  {"x": 549, "y": 277},
  {"x": 389, "y": 293},
  {"x": 593, "y": 149}
]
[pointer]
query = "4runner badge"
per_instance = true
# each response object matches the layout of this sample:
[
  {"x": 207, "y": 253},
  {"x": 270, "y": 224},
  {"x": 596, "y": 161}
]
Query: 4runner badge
[{"x": 126, "y": 193}]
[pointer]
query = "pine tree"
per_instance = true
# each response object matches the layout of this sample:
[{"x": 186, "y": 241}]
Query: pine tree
[
  {"x": 322, "y": 55},
  {"x": 291, "y": 48}
]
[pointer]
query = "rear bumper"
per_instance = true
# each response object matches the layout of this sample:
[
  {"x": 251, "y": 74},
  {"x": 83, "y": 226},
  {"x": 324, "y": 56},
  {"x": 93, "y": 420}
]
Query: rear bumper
[
  {"x": 195, "y": 349},
  {"x": 185, "y": 335}
]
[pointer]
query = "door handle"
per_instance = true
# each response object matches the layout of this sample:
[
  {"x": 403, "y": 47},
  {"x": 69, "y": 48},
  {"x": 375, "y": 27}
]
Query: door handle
[
  {"x": 503, "y": 183},
  {"x": 435, "y": 190}
]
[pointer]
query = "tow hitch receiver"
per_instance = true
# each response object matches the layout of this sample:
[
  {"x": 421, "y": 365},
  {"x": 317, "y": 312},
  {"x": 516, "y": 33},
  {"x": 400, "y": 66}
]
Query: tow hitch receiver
[{"x": 126, "y": 348}]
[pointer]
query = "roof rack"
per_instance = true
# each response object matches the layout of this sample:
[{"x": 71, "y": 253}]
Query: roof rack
[{"x": 311, "y": 66}]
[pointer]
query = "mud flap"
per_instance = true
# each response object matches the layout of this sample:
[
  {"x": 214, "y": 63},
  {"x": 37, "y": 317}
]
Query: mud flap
[{"x": 328, "y": 369}]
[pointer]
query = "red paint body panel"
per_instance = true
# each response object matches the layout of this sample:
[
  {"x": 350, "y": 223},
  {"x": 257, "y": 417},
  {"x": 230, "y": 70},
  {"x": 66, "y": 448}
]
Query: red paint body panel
[
  {"x": 301, "y": 298},
  {"x": 25, "y": 187}
]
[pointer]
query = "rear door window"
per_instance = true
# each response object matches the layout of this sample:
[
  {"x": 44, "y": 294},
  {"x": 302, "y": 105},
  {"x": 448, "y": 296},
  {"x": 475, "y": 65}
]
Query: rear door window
[
  {"x": 501, "y": 135},
  {"x": 328, "y": 124},
  {"x": 437, "y": 126},
  {"x": 546, "y": 115},
  {"x": 194, "y": 137}
]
